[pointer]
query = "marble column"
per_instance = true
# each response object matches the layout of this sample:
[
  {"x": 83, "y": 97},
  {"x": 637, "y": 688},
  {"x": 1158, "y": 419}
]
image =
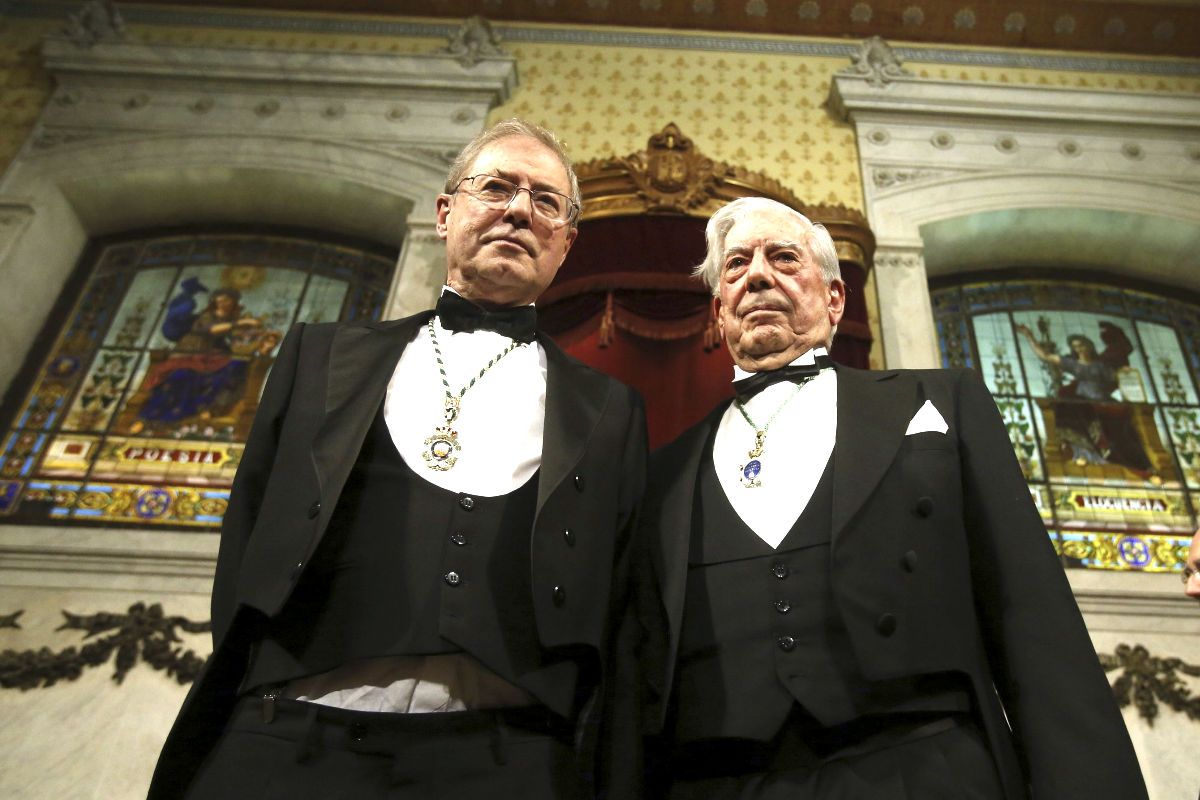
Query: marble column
[
  {"x": 420, "y": 271},
  {"x": 906, "y": 315}
]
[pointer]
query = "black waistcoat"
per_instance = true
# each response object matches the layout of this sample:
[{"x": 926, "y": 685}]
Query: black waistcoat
[
  {"x": 761, "y": 632},
  {"x": 409, "y": 568},
  {"x": 759, "y": 628}
]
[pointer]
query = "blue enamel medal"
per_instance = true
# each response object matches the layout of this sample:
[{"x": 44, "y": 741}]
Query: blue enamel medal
[{"x": 750, "y": 472}]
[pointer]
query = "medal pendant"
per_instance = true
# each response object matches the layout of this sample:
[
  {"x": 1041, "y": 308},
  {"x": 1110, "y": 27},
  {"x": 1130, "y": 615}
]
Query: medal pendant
[
  {"x": 750, "y": 471},
  {"x": 451, "y": 412},
  {"x": 440, "y": 448}
]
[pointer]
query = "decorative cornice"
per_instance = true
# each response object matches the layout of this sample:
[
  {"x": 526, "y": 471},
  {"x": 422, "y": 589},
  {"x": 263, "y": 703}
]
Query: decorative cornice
[
  {"x": 473, "y": 42},
  {"x": 96, "y": 21},
  {"x": 875, "y": 62},
  {"x": 490, "y": 75},
  {"x": 383, "y": 100},
  {"x": 852, "y": 95}
]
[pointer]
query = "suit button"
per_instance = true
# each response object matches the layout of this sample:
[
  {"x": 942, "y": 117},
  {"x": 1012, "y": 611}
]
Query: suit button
[
  {"x": 466, "y": 502},
  {"x": 579, "y": 483},
  {"x": 779, "y": 570},
  {"x": 452, "y": 578},
  {"x": 924, "y": 507},
  {"x": 910, "y": 561},
  {"x": 886, "y": 625},
  {"x": 314, "y": 509},
  {"x": 297, "y": 570},
  {"x": 357, "y": 732},
  {"x": 559, "y": 595},
  {"x": 459, "y": 539},
  {"x": 569, "y": 537},
  {"x": 786, "y": 643},
  {"x": 783, "y": 606}
]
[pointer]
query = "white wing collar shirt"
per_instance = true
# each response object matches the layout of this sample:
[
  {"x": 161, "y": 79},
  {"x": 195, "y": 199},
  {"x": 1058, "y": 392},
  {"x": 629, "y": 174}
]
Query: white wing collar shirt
[
  {"x": 797, "y": 447},
  {"x": 501, "y": 418}
]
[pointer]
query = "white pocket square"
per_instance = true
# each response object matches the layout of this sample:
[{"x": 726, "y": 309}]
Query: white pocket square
[{"x": 927, "y": 420}]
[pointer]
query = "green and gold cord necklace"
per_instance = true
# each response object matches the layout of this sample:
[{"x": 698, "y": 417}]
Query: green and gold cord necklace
[{"x": 440, "y": 448}]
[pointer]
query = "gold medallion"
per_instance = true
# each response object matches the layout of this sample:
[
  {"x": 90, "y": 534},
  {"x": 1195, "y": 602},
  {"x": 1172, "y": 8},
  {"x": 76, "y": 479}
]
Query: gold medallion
[{"x": 440, "y": 448}]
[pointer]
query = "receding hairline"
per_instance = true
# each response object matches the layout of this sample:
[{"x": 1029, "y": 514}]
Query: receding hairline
[{"x": 509, "y": 174}]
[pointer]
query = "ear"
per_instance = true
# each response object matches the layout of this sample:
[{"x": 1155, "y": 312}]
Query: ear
[
  {"x": 443, "y": 215},
  {"x": 717, "y": 308},
  {"x": 572, "y": 233},
  {"x": 837, "y": 301}
]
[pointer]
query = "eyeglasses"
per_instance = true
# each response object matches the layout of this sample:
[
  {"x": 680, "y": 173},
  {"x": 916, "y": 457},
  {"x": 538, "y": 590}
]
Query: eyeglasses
[
  {"x": 1187, "y": 573},
  {"x": 496, "y": 192}
]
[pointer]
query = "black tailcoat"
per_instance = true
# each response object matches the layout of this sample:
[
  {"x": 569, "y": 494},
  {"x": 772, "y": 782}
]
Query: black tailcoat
[
  {"x": 940, "y": 563},
  {"x": 325, "y": 387}
]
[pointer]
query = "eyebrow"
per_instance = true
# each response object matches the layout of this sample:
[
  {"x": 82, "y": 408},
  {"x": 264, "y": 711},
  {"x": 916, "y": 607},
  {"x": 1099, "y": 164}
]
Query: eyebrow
[
  {"x": 512, "y": 177},
  {"x": 773, "y": 245}
]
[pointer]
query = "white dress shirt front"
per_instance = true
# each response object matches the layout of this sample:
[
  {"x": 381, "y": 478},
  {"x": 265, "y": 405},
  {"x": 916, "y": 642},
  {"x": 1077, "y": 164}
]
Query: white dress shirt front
[
  {"x": 799, "y": 443},
  {"x": 501, "y": 418}
]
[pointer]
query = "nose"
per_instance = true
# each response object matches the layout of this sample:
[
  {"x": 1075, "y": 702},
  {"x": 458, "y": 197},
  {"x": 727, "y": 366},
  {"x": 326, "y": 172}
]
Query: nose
[
  {"x": 518, "y": 212},
  {"x": 759, "y": 275}
]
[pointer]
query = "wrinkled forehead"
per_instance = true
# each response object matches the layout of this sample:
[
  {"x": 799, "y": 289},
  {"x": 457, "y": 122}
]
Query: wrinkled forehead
[
  {"x": 517, "y": 157},
  {"x": 771, "y": 227}
]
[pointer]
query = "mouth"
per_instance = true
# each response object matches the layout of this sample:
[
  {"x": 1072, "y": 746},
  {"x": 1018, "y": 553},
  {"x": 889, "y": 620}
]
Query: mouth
[
  {"x": 510, "y": 241},
  {"x": 761, "y": 309}
]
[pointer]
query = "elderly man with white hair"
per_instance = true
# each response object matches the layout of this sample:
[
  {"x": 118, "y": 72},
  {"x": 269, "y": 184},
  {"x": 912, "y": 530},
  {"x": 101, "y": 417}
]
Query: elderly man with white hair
[{"x": 861, "y": 600}]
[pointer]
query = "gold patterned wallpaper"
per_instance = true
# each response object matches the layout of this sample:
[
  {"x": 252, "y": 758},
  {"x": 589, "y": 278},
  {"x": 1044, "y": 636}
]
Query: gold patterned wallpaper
[{"x": 761, "y": 111}]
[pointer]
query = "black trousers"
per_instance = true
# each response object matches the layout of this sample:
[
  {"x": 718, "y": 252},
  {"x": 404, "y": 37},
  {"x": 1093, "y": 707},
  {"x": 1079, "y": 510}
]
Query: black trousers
[
  {"x": 313, "y": 752},
  {"x": 920, "y": 758}
]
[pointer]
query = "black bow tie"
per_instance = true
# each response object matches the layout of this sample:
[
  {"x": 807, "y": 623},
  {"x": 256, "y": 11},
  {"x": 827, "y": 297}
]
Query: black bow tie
[
  {"x": 748, "y": 387},
  {"x": 460, "y": 314}
]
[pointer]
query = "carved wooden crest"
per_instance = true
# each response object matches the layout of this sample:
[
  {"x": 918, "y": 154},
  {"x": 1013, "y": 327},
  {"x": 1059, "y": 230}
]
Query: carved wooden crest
[
  {"x": 672, "y": 177},
  {"x": 670, "y": 174}
]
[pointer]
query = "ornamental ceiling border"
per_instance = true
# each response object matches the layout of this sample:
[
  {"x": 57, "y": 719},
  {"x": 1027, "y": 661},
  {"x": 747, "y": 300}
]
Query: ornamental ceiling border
[{"x": 297, "y": 22}]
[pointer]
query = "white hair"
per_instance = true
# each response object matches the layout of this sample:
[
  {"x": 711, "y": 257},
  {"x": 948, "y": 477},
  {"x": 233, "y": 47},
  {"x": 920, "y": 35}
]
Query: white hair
[{"x": 817, "y": 240}]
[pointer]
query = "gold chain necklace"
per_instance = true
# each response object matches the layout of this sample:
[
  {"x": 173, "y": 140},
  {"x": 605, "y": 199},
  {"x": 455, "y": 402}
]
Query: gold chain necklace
[
  {"x": 443, "y": 444},
  {"x": 752, "y": 468}
]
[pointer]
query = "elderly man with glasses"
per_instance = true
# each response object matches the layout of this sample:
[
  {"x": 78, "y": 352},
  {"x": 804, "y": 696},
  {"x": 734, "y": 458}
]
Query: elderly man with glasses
[{"x": 427, "y": 543}]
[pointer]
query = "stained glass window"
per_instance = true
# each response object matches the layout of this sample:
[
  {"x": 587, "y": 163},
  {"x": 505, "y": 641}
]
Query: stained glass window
[
  {"x": 139, "y": 413},
  {"x": 1098, "y": 388}
]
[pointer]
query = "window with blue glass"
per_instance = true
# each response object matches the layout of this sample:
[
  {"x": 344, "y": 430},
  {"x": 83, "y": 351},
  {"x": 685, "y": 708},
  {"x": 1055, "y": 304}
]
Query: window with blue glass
[
  {"x": 1098, "y": 388},
  {"x": 139, "y": 412}
]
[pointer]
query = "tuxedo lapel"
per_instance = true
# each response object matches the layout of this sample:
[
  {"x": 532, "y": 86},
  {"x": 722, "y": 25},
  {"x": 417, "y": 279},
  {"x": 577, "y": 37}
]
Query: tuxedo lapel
[
  {"x": 873, "y": 410},
  {"x": 575, "y": 399},
  {"x": 672, "y": 486},
  {"x": 361, "y": 362}
]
